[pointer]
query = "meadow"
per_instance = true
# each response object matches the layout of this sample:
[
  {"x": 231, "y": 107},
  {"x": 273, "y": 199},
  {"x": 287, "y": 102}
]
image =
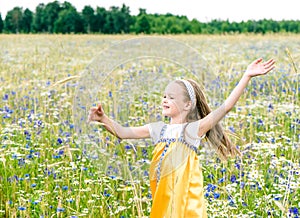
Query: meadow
[{"x": 46, "y": 171}]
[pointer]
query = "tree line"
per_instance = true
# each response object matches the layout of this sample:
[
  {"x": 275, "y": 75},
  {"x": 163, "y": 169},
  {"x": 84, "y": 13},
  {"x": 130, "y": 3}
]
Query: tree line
[{"x": 56, "y": 17}]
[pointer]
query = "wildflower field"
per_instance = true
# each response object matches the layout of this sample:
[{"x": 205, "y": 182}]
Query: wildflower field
[{"x": 45, "y": 170}]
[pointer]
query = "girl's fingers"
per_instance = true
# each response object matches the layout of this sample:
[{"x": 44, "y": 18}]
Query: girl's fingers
[
  {"x": 269, "y": 63},
  {"x": 258, "y": 60},
  {"x": 268, "y": 69},
  {"x": 269, "y": 66}
]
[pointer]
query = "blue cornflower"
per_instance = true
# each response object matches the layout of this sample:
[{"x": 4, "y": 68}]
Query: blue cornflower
[
  {"x": 35, "y": 202},
  {"x": 276, "y": 198},
  {"x": 127, "y": 147},
  {"x": 146, "y": 173},
  {"x": 210, "y": 176},
  {"x": 211, "y": 187},
  {"x": 216, "y": 195},
  {"x": 71, "y": 200},
  {"x": 294, "y": 210},
  {"x": 237, "y": 165},
  {"x": 223, "y": 170},
  {"x": 59, "y": 141},
  {"x": 5, "y": 97},
  {"x": 270, "y": 106},
  {"x": 233, "y": 178},
  {"x": 231, "y": 128},
  {"x": 221, "y": 180},
  {"x": 231, "y": 201},
  {"x": 60, "y": 209},
  {"x": 242, "y": 184},
  {"x": 106, "y": 194}
]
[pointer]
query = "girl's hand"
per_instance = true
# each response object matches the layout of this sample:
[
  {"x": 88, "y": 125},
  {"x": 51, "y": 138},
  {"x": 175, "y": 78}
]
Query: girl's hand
[
  {"x": 96, "y": 114},
  {"x": 257, "y": 67}
]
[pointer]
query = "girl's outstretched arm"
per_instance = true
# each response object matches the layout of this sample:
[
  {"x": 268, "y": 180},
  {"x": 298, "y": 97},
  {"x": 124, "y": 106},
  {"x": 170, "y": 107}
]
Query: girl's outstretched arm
[
  {"x": 256, "y": 68},
  {"x": 97, "y": 114}
]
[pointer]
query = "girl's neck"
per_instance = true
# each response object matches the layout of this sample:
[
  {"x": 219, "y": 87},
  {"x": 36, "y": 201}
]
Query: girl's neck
[{"x": 178, "y": 121}]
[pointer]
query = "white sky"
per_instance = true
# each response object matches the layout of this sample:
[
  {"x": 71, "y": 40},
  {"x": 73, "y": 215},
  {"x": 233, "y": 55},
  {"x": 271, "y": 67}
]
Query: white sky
[{"x": 202, "y": 10}]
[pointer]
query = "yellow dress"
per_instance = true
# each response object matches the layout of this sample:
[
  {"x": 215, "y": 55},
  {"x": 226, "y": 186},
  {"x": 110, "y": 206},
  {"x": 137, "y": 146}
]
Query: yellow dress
[{"x": 176, "y": 180}]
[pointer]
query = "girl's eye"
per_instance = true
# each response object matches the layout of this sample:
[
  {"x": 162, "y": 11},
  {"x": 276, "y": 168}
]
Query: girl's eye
[{"x": 169, "y": 97}]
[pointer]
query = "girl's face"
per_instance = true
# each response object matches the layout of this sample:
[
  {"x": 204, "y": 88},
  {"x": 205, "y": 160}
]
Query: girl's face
[{"x": 174, "y": 102}]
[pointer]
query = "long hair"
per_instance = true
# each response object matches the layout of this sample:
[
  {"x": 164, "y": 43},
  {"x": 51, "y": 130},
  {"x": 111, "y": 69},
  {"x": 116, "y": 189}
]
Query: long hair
[{"x": 216, "y": 136}]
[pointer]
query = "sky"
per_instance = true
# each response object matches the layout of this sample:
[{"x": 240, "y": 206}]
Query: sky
[{"x": 202, "y": 10}]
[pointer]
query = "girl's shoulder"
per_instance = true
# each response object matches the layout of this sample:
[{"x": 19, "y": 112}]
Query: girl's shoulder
[
  {"x": 156, "y": 125},
  {"x": 155, "y": 130},
  {"x": 192, "y": 129}
]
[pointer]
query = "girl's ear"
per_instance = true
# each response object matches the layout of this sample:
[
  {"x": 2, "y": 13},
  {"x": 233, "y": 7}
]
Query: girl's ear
[{"x": 188, "y": 105}]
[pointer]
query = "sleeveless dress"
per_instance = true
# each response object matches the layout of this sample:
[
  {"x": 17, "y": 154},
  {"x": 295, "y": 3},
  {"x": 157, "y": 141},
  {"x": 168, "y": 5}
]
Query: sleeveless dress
[{"x": 176, "y": 180}]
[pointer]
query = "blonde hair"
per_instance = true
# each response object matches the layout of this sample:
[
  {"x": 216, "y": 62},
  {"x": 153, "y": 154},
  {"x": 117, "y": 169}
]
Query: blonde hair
[{"x": 216, "y": 136}]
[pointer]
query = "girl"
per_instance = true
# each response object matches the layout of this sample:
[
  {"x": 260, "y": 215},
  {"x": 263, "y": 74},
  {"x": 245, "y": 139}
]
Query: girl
[{"x": 176, "y": 180}]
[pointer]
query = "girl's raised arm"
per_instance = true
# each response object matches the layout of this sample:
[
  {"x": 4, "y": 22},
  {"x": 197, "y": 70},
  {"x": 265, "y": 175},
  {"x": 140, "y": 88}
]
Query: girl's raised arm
[
  {"x": 256, "y": 68},
  {"x": 97, "y": 114}
]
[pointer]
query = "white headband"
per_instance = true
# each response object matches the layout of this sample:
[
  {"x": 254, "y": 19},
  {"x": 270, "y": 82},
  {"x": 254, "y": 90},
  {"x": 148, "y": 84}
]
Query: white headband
[{"x": 190, "y": 90}]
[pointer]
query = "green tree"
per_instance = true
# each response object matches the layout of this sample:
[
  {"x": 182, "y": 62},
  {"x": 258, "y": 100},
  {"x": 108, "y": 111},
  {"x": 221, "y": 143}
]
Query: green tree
[
  {"x": 251, "y": 26},
  {"x": 69, "y": 20},
  {"x": 1, "y": 24},
  {"x": 274, "y": 26},
  {"x": 225, "y": 26},
  {"x": 114, "y": 18},
  {"x": 125, "y": 18},
  {"x": 39, "y": 21},
  {"x": 143, "y": 24},
  {"x": 293, "y": 26},
  {"x": 118, "y": 20},
  {"x": 88, "y": 15},
  {"x": 185, "y": 24},
  {"x": 13, "y": 20},
  {"x": 27, "y": 21},
  {"x": 195, "y": 27},
  {"x": 109, "y": 23},
  {"x": 50, "y": 14},
  {"x": 155, "y": 23},
  {"x": 100, "y": 20}
]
